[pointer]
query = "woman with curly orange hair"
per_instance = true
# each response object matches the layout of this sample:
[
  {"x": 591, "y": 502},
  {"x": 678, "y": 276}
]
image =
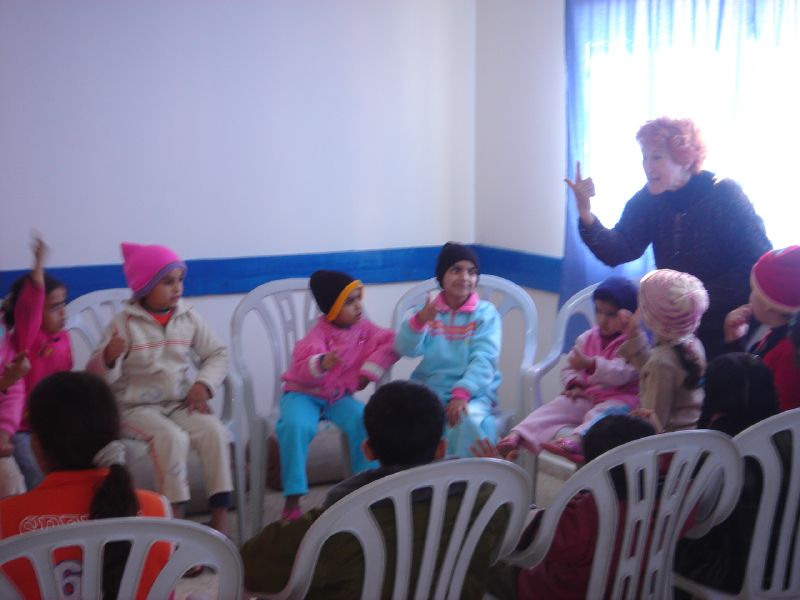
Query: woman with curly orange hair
[{"x": 698, "y": 223}]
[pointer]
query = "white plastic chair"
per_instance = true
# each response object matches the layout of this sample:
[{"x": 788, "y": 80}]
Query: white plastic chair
[
  {"x": 193, "y": 545},
  {"x": 506, "y": 296},
  {"x": 352, "y": 515},
  {"x": 758, "y": 443},
  {"x": 705, "y": 465},
  {"x": 87, "y": 318},
  {"x": 286, "y": 309}
]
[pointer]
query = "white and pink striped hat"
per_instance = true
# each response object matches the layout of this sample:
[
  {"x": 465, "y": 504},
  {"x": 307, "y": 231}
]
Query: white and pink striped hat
[{"x": 672, "y": 303}]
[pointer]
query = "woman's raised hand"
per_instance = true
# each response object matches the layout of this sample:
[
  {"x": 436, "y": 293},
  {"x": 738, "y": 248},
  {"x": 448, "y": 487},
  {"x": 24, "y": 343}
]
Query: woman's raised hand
[{"x": 583, "y": 190}]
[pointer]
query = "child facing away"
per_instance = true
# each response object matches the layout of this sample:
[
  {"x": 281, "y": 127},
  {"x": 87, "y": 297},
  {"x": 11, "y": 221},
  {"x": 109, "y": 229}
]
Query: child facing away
[
  {"x": 595, "y": 379},
  {"x": 775, "y": 302},
  {"x": 671, "y": 305},
  {"x": 458, "y": 336},
  {"x": 75, "y": 425},
  {"x": 404, "y": 422},
  {"x": 564, "y": 572},
  {"x": 739, "y": 393},
  {"x": 145, "y": 357},
  {"x": 339, "y": 356},
  {"x": 35, "y": 316}
]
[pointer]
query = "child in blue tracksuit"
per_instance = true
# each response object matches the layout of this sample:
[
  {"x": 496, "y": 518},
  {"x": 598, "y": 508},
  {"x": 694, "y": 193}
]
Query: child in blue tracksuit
[{"x": 458, "y": 335}]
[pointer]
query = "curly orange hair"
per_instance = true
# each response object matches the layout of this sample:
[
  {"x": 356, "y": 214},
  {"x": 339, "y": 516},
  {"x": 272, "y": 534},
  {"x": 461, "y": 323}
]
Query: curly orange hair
[{"x": 681, "y": 137}]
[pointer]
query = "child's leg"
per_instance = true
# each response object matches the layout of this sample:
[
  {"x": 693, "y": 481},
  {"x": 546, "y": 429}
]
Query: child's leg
[
  {"x": 210, "y": 438},
  {"x": 169, "y": 448},
  {"x": 543, "y": 423},
  {"x": 11, "y": 480},
  {"x": 296, "y": 428},
  {"x": 478, "y": 423},
  {"x": 347, "y": 414},
  {"x": 26, "y": 460}
]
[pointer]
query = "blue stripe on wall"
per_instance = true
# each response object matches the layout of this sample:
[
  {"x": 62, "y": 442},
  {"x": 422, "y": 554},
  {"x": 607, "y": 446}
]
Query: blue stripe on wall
[{"x": 240, "y": 275}]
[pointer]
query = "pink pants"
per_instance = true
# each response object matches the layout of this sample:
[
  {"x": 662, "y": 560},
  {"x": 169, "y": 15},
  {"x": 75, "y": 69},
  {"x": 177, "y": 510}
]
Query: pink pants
[{"x": 547, "y": 420}]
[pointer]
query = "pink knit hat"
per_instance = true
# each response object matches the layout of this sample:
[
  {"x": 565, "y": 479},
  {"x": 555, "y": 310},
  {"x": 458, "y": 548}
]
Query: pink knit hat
[
  {"x": 144, "y": 266},
  {"x": 776, "y": 277},
  {"x": 672, "y": 303}
]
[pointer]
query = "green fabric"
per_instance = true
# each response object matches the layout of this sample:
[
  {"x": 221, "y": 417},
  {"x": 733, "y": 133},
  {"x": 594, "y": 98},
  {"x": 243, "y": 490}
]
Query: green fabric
[{"x": 269, "y": 556}]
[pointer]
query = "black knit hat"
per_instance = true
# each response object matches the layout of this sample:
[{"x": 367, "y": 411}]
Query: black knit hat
[
  {"x": 331, "y": 289},
  {"x": 450, "y": 254},
  {"x": 617, "y": 290}
]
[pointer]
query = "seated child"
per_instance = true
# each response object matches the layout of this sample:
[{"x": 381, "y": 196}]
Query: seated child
[
  {"x": 145, "y": 356},
  {"x": 404, "y": 423},
  {"x": 35, "y": 316},
  {"x": 739, "y": 393},
  {"x": 774, "y": 301},
  {"x": 564, "y": 572},
  {"x": 671, "y": 304},
  {"x": 458, "y": 336},
  {"x": 13, "y": 368},
  {"x": 595, "y": 380},
  {"x": 75, "y": 425},
  {"x": 340, "y": 355}
]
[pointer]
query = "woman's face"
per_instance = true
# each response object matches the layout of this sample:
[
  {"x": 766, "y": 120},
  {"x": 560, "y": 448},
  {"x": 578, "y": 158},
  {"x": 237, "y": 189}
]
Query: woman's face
[{"x": 663, "y": 173}]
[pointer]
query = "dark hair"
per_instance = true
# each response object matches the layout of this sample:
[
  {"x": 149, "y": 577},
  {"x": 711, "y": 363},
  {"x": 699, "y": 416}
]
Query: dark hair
[
  {"x": 612, "y": 431},
  {"x": 74, "y": 415},
  {"x": 10, "y": 302},
  {"x": 405, "y": 423},
  {"x": 739, "y": 392},
  {"x": 691, "y": 364},
  {"x": 794, "y": 337}
]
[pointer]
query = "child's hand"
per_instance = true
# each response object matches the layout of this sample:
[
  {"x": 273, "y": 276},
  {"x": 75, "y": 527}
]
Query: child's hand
[
  {"x": 6, "y": 447},
  {"x": 579, "y": 361},
  {"x": 427, "y": 312},
  {"x": 632, "y": 326},
  {"x": 737, "y": 323},
  {"x": 114, "y": 348},
  {"x": 483, "y": 448},
  {"x": 329, "y": 360},
  {"x": 197, "y": 399},
  {"x": 455, "y": 409},
  {"x": 15, "y": 370},
  {"x": 39, "y": 250},
  {"x": 575, "y": 392},
  {"x": 363, "y": 381}
]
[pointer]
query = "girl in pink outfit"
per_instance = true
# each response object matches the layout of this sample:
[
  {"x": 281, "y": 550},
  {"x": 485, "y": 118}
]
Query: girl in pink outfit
[
  {"x": 35, "y": 315},
  {"x": 596, "y": 380},
  {"x": 341, "y": 354}
]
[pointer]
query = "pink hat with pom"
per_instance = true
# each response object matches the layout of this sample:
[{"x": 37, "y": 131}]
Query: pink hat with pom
[
  {"x": 672, "y": 303},
  {"x": 776, "y": 277},
  {"x": 144, "y": 266}
]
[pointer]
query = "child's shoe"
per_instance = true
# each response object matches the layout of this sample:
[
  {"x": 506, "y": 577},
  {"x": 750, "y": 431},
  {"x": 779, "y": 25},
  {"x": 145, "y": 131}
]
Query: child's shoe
[
  {"x": 568, "y": 447},
  {"x": 292, "y": 514}
]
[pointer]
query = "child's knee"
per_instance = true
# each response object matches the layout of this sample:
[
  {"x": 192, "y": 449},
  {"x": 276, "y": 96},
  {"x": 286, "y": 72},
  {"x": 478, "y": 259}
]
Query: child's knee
[{"x": 175, "y": 439}]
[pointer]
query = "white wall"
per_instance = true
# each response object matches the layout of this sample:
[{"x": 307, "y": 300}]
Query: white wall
[{"x": 230, "y": 128}]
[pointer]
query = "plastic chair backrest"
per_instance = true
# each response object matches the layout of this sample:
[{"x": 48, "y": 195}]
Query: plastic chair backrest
[
  {"x": 704, "y": 464},
  {"x": 581, "y": 304},
  {"x": 758, "y": 442},
  {"x": 193, "y": 544},
  {"x": 353, "y": 515},
  {"x": 506, "y": 296}
]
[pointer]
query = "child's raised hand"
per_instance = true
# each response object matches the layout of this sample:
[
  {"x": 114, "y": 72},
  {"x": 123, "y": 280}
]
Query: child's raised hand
[
  {"x": 427, "y": 312},
  {"x": 329, "y": 360},
  {"x": 737, "y": 323},
  {"x": 583, "y": 190},
  {"x": 39, "y": 250},
  {"x": 114, "y": 348},
  {"x": 455, "y": 409},
  {"x": 197, "y": 399}
]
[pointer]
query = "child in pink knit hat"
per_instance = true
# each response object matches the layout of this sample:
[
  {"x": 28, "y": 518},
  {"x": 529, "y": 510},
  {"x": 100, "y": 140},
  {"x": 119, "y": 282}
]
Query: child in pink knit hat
[
  {"x": 671, "y": 305},
  {"x": 145, "y": 357},
  {"x": 775, "y": 302}
]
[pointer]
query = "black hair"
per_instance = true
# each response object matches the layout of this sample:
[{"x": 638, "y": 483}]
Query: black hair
[
  {"x": 74, "y": 415},
  {"x": 739, "y": 392},
  {"x": 612, "y": 431},
  {"x": 405, "y": 423},
  {"x": 10, "y": 302},
  {"x": 794, "y": 337},
  {"x": 691, "y": 364}
]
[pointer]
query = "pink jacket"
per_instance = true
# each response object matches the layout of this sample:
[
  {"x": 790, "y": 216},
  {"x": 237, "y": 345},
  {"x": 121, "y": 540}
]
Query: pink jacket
[
  {"x": 363, "y": 349},
  {"x": 613, "y": 377},
  {"x": 12, "y": 400},
  {"x": 47, "y": 352}
]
